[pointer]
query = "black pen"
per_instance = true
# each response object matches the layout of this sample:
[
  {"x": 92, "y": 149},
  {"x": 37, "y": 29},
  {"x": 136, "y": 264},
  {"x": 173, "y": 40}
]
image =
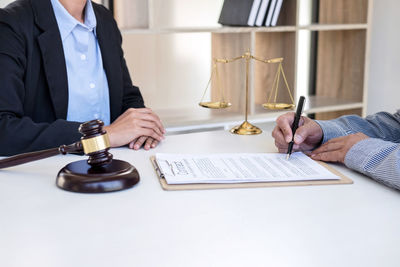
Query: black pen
[{"x": 295, "y": 124}]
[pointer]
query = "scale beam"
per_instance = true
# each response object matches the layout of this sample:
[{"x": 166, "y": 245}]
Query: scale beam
[{"x": 247, "y": 128}]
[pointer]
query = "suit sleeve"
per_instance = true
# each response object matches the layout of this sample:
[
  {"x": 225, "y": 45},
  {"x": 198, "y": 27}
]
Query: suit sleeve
[{"x": 18, "y": 132}]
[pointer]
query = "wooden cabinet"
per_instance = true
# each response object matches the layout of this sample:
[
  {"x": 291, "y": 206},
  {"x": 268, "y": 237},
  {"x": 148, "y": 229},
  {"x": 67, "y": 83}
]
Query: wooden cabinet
[{"x": 169, "y": 45}]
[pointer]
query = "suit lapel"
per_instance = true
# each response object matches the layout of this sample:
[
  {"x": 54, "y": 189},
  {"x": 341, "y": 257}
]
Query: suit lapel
[
  {"x": 56, "y": 72},
  {"x": 53, "y": 56},
  {"x": 111, "y": 63}
]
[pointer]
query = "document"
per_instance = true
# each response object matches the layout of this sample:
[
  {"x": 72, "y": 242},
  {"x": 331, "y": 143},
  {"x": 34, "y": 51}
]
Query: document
[{"x": 239, "y": 168}]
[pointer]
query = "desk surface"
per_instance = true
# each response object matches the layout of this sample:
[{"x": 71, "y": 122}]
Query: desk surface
[{"x": 335, "y": 225}]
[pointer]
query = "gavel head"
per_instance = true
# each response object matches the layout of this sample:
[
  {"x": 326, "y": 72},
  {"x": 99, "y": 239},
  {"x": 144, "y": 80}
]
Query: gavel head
[{"x": 95, "y": 143}]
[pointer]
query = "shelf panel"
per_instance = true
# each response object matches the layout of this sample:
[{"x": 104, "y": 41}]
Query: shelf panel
[
  {"x": 209, "y": 29},
  {"x": 315, "y": 104},
  {"x": 312, "y": 27},
  {"x": 333, "y": 27},
  {"x": 201, "y": 118}
]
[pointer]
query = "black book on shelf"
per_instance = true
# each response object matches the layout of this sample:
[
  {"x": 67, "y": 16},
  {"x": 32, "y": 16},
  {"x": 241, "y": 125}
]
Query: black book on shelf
[{"x": 235, "y": 12}]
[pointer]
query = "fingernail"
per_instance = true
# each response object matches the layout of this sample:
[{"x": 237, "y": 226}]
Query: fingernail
[
  {"x": 298, "y": 138},
  {"x": 136, "y": 147},
  {"x": 288, "y": 139}
]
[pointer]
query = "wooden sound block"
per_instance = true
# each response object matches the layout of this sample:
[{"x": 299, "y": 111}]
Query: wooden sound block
[{"x": 80, "y": 177}]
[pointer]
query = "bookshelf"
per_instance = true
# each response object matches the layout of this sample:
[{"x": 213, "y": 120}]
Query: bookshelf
[{"x": 173, "y": 81}]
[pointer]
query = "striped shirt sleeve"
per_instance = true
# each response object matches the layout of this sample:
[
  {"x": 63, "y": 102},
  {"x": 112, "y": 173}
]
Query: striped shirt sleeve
[{"x": 377, "y": 156}]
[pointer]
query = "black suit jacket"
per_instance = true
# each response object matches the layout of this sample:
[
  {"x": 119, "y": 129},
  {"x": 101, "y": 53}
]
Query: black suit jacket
[{"x": 33, "y": 77}]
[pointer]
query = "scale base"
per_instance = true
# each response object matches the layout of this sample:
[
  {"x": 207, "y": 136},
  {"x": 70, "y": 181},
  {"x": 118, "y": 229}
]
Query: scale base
[
  {"x": 80, "y": 177},
  {"x": 246, "y": 128}
]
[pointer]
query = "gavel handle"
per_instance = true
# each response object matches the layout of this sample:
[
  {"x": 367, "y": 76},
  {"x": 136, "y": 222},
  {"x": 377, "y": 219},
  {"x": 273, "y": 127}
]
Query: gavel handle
[{"x": 33, "y": 156}]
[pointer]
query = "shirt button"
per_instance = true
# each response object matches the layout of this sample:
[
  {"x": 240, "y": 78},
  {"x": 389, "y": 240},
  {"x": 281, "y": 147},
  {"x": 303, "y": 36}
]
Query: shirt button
[
  {"x": 83, "y": 57},
  {"x": 96, "y": 116},
  {"x": 92, "y": 85}
]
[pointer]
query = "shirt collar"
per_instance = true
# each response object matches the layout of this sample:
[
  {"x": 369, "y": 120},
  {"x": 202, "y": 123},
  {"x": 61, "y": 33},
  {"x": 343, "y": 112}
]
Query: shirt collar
[{"x": 66, "y": 22}]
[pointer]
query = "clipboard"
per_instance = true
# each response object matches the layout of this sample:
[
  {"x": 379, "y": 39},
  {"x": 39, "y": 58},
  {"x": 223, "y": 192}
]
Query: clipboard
[{"x": 174, "y": 187}]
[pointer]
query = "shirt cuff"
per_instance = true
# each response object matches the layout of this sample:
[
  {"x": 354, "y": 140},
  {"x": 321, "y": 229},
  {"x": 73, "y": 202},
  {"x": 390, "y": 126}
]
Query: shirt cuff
[
  {"x": 366, "y": 151},
  {"x": 330, "y": 129}
]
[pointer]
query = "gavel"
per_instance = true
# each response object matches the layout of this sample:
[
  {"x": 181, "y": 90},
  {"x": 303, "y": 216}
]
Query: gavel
[{"x": 98, "y": 174}]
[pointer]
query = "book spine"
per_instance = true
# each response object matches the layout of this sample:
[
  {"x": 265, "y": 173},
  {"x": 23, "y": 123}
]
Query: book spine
[
  {"x": 253, "y": 12},
  {"x": 276, "y": 12},
  {"x": 270, "y": 13},
  {"x": 262, "y": 12}
]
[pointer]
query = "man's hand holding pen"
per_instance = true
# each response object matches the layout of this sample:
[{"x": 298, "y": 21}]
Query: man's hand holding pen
[{"x": 307, "y": 136}]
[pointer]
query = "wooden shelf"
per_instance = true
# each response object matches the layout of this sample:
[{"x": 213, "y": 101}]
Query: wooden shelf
[
  {"x": 198, "y": 117},
  {"x": 312, "y": 27},
  {"x": 209, "y": 30},
  {"x": 316, "y": 104},
  {"x": 333, "y": 27},
  {"x": 337, "y": 65}
]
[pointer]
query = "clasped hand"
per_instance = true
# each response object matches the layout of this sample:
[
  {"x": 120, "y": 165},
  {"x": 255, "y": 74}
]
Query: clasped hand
[
  {"x": 136, "y": 128},
  {"x": 309, "y": 136}
]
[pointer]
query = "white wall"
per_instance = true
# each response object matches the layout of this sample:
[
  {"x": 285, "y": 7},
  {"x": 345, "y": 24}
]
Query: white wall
[
  {"x": 172, "y": 70},
  {"x": 3, "y": 3},
  {"x": 384, "y": 70}
]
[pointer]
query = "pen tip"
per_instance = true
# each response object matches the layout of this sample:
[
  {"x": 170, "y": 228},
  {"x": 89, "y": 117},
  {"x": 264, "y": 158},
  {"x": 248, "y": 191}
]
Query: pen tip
[{"x": 287, "y": 156}]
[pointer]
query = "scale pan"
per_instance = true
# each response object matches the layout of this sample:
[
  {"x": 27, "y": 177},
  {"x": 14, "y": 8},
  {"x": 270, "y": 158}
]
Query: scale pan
[
  {"x": 215, "y": 105},
  {"x": 278, "y": 106}
]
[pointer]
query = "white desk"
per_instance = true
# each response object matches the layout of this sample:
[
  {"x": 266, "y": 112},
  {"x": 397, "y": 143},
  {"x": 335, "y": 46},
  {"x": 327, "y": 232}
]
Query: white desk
[{"x": 335, "y": 225}]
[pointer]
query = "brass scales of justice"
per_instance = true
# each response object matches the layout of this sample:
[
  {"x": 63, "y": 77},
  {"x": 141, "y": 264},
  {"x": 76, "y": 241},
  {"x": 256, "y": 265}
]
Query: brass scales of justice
[{"x": 246, "y": 128}]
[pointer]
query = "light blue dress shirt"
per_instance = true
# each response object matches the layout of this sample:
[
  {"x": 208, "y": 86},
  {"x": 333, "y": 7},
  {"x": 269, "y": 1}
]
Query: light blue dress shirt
[
  {"x": 88, "y": 96},
  {"x": 377, "y": 156}
]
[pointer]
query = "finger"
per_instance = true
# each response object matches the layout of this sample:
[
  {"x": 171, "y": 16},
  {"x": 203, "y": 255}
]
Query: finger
[
  {"x": 284, "y": 123},
  {"x": 139, "y": 142},
  {"x": 150, "y": 125},
  {"x": 150, "y": 133},
  {"x": 132, "y": 143},
  {"x": 149, "y": 111},
  {"x": 152, "y": 118},
  {"x": 279, "y": 138},
  {"x": 328, "y": 147},
  {"x": 144, "y": 113},
  {"x": 281, "y": 147},
  {"x": 303, "y": 132},
  {"x": 154, "y": 144},
  {"x": 148, "y": 142},
  {"x": 144, "y": 110},
  {"x": 282, "y": 150},
  {"x": 155, "y": 117},
  {"x": 331, "y": 156}
]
